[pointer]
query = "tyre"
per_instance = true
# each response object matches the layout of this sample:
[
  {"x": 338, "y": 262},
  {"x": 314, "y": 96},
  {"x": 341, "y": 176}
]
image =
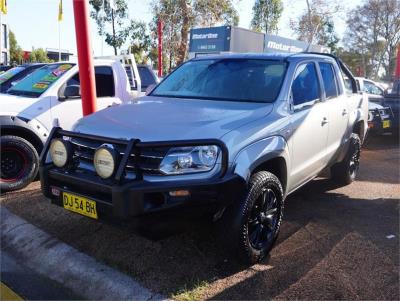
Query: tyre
[
  {"x": 19, "y": 163},
  {"x": 345, "y": 172},
  {"x": 250, "y": 226}
]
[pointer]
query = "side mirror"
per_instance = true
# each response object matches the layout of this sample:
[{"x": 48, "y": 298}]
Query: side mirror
[
  {"x": 149, "y": 89},
  {"x": 73, "y": 91}
]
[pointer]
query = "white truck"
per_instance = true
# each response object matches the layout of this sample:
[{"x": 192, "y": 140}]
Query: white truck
[{"x": 51, "y": 96}]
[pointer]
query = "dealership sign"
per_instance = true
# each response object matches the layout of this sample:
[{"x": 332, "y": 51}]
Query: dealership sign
[
  {"x": 281, "y": 44},
  {"x": 214, "y": 39}
]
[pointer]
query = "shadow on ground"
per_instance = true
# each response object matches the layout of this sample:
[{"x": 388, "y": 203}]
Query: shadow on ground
[{"x": 332, "y": 244}]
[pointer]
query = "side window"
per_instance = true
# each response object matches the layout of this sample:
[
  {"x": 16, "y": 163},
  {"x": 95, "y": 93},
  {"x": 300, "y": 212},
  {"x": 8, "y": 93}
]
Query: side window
[
  {"x": 104, "y": 81},
  {"x": 305, "y": 86},
  {"x": 74, "y": 80},
  {"x": 146, "y": 77},
  {"x": 329, "y": 80},
  {"x": 372, "y": 88}
]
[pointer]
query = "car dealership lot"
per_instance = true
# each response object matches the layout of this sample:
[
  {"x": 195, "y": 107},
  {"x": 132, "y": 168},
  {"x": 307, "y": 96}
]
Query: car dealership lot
[{"x": 335, "y": 243}]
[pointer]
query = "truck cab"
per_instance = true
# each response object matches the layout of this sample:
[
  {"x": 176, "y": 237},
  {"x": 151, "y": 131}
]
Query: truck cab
[
  {"x": 50, "y": 96},
  {"x": 231, "y": 135}
]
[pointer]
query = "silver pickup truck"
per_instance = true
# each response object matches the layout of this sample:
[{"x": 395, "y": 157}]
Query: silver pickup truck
[{"x": 231, "y": 136}]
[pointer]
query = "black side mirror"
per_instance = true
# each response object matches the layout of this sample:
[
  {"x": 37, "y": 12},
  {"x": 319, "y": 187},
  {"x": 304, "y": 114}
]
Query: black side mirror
[{"x": 73, "y": 91}]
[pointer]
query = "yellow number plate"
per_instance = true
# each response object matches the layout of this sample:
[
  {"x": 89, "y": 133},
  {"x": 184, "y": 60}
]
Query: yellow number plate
[
  {"x": 386, "y": 124},
  {"x": 79, "y": 205}
]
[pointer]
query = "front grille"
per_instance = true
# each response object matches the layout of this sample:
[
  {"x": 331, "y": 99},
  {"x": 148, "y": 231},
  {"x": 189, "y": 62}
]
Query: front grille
[{"x": 149, "y": 160}]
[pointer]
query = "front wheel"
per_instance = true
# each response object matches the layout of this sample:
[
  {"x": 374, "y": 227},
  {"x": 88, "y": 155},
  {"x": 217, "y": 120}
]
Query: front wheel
[
  {"x": 345, "y": 172},
  {"x": 19, "y": 163},
  {"x": 251, "y": 226}
]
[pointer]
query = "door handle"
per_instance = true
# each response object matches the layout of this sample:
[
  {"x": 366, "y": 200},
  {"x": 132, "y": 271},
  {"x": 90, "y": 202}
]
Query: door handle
[
  {"x": 324, "y": 121},
  {"x": 344, "y": 112}
]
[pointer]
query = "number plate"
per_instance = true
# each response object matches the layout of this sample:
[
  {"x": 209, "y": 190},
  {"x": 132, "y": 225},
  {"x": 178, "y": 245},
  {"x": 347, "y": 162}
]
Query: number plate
[
  {"x": 79, "y": 205},
  {"x": 386, "y": 124}
]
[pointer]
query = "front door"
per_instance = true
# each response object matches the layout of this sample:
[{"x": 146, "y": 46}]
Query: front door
[{"x": 310, "y": 126}]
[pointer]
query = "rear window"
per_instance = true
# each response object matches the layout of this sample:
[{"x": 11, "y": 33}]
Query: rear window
[
  {"x": 146, "y": 77},
  {"x": 329, "y": 80}
]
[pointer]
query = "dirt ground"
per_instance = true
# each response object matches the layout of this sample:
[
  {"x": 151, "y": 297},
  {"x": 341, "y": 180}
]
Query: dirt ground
[{"x": 335, "y": 243}]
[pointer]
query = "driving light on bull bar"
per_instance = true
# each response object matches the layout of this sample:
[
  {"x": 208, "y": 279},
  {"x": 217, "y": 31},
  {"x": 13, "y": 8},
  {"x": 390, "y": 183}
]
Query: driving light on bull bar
[
  {"x": 194, "y": 159},
  {"x": 60, "y": 152},
  {"x": 105, "y": 161}
]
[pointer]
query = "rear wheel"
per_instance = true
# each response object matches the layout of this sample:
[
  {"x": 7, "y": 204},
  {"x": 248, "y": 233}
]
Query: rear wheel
[
  {"x": 345, "y": 172},
  {"x": 19, "y": 163},
  {"x": 251, "y": 225}
]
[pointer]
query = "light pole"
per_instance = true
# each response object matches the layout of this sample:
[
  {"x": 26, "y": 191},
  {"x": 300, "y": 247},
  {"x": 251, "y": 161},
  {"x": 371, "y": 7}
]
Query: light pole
[{"x": 85, "y": 59}]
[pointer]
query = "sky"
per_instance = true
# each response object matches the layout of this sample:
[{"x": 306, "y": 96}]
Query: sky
[{"x": 35, "y": 24}]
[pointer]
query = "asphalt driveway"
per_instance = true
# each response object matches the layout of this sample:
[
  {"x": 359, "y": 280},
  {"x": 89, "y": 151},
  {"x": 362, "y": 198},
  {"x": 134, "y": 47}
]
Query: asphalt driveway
[{"x": 335, "y": 243}]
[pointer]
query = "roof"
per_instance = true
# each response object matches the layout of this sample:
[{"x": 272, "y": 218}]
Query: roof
[{"x": 266, "y": 56}]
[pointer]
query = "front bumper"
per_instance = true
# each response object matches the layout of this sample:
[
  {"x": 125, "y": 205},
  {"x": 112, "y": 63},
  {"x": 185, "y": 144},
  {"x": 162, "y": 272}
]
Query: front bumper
[
  {"x": 139, "y": 198},
  {"x": 122, "y": 199}
]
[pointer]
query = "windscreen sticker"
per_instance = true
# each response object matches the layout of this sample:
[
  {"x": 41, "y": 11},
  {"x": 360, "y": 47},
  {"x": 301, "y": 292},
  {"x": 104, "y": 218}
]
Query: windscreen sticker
[
  {"x": 40, "y": 86},
  {"x": 48, "y": 79},
  {"x": 5, "y": 78}
]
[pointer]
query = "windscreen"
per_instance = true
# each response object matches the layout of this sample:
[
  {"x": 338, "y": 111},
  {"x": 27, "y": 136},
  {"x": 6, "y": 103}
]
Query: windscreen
[
  {"x": 252, "y": 80},
  {"x": 10, "y": 74},
  {"x": 40, "y": 80}
]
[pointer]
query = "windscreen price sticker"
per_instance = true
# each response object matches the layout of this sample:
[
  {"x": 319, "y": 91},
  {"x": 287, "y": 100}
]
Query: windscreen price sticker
[{"x": 48, "y": 79}]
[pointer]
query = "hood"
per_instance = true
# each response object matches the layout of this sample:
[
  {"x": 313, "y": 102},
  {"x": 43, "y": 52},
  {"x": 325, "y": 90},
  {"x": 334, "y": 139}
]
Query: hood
[
  {"x": 374, "y": 106},
  {"x": 163, "y": 119},
  {"x": 13, "y": 105}
]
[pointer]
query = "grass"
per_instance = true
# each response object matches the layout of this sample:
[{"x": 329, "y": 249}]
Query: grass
[{"x": 192, "y": 294}]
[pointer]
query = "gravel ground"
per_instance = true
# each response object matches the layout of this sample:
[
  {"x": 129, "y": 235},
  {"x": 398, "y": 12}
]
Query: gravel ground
[{"x": 333, "y": 243}]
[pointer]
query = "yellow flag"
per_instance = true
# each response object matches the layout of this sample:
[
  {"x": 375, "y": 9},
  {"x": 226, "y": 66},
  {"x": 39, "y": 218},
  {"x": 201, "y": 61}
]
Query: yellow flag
[
  {"x": 60, "y": 11},
  {"x": 3, "y": 6}
]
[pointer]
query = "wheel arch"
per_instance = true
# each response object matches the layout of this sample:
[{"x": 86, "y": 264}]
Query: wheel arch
[
  {"x": 24, "y": 133},
  {"x": 276, "y": 166},
  {"x": 358, "y": 129},
  {"x": 269, "y": 154}
]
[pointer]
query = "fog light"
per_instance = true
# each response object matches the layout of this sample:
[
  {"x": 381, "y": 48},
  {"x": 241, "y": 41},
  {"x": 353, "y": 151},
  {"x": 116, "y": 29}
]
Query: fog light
[{"x": 179, "y": 193}]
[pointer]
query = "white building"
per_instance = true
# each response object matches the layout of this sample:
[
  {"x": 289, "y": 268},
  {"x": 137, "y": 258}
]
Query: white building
[{"x": 4, "y": 41}]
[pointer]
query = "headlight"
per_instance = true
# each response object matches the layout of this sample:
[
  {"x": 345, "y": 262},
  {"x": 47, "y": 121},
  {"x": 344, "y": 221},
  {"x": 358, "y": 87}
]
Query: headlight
[
  {"x": 60, "y": 152},
  {"x": 182, "y": 160},
  {"x": 105, "y": 161}
]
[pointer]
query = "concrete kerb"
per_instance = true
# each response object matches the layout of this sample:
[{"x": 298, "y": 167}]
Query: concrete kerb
[{"x": 62, "y": 263}]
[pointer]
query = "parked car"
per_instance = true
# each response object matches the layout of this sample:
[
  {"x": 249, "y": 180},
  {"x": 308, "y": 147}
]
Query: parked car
[
  {"x": 12, "y": 76},
  {"x": 379, "y": 119},
  {"x": 373, "y": 89},
  {"x": 392, "y": 99},
  {"x": 4, "y": 68},
  {"x": 232, "y": 135},
  {"x": 380, "y": 116},
  {"x": 51, "y": 96}
]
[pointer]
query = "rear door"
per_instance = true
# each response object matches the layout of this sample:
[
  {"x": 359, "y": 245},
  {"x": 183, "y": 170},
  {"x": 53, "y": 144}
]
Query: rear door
[
  {"x": 310, "y": 125},
  {"x": 68, "y": 111},
  {"x": 335, "y": 100}
]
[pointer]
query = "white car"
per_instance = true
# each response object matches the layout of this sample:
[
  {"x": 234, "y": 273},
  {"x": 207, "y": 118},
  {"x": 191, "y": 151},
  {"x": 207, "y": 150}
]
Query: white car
[{"x": 51, "y": 96}]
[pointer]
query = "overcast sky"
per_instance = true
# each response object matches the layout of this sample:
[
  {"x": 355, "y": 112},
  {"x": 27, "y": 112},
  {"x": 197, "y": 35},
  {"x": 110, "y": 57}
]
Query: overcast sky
[{"x": 35, "y": 24}]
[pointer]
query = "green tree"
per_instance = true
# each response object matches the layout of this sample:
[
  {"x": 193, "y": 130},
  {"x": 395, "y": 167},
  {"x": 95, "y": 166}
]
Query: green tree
[
  {"x": 178, "y": 16},
  {"x": 373, "y": 31},
  {"x": 39, "y": 55},
  {"x": 16, "y": 53},
  {"x": 140, "y": 42},
  {"x": 316, "y": 22},
  {"x": 266, "y": 15},
  {"x": 113, "y": 25}
]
